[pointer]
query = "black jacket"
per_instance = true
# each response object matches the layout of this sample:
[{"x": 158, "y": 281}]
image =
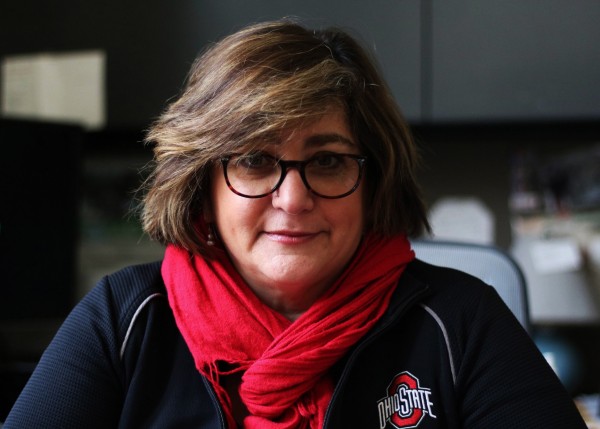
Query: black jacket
[{"x": 447, "y": 354}]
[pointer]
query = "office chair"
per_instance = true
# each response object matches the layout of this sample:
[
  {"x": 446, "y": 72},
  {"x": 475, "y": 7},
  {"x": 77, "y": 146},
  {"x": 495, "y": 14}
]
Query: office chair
[{"x": 488, "y": 263}]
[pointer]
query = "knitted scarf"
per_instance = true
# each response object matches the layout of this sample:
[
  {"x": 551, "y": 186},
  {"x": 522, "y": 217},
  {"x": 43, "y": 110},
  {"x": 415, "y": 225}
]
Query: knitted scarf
[{"x": 285, "y": 365}]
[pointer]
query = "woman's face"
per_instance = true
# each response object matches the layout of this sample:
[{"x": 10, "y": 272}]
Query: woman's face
[{"x": 291, "y": 245}]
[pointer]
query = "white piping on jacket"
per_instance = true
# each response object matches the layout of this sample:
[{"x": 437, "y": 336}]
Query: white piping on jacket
[
  {"x": 438, "y": 320},
  {"x": 133, "y": 320}
]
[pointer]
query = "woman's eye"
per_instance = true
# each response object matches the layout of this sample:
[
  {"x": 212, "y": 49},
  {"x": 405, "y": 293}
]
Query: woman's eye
[
  {"x": 327, "y": 161},
  {"x": 257, "y": 160}
]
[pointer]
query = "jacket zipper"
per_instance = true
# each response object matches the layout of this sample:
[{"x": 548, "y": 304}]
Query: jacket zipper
[
  {"x": 363, "y": 344},
  {"x": 215, "y": 401}
]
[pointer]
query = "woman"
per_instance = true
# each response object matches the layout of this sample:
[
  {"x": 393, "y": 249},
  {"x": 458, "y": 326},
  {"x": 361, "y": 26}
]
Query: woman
[{"x": 289, "y": 296}]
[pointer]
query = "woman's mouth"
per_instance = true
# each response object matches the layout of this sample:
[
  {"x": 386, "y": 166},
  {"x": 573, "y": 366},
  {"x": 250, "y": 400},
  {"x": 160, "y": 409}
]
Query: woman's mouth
[{"x": 290, "y": 237}]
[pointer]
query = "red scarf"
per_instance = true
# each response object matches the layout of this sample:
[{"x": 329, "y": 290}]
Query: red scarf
[{"x": 285, "y": 364}]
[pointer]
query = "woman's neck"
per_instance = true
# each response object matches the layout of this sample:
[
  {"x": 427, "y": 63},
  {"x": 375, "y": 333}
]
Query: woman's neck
[{"x": 285, "y": 302}]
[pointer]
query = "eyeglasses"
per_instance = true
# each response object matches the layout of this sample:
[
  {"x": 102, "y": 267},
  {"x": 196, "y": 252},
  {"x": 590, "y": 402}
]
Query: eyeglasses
[{"x": 327, "y": 175}]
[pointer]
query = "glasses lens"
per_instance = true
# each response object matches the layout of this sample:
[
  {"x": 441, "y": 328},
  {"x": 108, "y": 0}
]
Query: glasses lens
[
  {"x": 252, "y": 175},
  {"x": 327, "y": 175},
  {"x": 333, "y": 175}
]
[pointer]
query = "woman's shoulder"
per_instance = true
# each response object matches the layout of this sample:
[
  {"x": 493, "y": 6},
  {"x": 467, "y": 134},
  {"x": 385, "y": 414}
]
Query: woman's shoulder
[
  {"x": 134, "y": 281},
  {"x": 119, "y": 296},
  {"x": 446, "y": 281},
  {"x": 456, "y": 297},
  {"x": 131, "y": 281}
]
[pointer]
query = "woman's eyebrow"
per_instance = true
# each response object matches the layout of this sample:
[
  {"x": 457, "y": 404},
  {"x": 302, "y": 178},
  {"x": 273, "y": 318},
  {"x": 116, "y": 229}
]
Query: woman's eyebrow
[{"x": 323, "y": 139}]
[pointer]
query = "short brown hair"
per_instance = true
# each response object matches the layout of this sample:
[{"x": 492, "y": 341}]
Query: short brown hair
[{"x": 257, "y": 82}]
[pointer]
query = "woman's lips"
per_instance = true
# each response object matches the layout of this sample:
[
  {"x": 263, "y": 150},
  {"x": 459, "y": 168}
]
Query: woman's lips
[{"x": 290, "y": 237}]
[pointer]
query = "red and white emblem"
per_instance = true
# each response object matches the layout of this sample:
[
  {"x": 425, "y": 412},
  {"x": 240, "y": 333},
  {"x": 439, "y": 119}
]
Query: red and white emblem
[{"x": 406, "y": 403}]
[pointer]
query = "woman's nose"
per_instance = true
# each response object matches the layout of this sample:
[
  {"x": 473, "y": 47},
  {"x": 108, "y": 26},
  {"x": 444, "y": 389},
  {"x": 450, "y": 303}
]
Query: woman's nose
[{"x": 293, "y": 196}]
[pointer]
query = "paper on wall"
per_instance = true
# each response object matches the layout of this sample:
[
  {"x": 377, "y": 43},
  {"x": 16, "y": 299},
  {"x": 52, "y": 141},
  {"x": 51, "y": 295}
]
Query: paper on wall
[
  {"x": 62, "y": 87},
  {"x": 556, "y": 255},
  {"x": 464, "y": 219}
]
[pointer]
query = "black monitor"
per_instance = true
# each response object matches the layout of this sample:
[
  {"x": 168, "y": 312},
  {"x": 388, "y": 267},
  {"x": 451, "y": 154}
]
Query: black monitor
[{"x": 39, "y": 218}]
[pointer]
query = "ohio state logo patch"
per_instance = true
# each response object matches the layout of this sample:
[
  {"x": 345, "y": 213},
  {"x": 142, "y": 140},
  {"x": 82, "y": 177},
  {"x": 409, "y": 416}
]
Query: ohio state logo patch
[{"x": 406, "y": 403}]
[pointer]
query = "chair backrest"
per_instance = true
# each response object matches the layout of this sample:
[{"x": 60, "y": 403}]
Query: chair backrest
[{"x": 488, "y": 263}]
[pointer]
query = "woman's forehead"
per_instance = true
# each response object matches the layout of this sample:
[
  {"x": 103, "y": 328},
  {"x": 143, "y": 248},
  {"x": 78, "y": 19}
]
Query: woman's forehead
[{"x": 328, "y": 126}]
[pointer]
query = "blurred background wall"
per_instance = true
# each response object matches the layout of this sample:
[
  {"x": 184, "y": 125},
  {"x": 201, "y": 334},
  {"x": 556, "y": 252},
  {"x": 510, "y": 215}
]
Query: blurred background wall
[{"x": 453, "y": 60}]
